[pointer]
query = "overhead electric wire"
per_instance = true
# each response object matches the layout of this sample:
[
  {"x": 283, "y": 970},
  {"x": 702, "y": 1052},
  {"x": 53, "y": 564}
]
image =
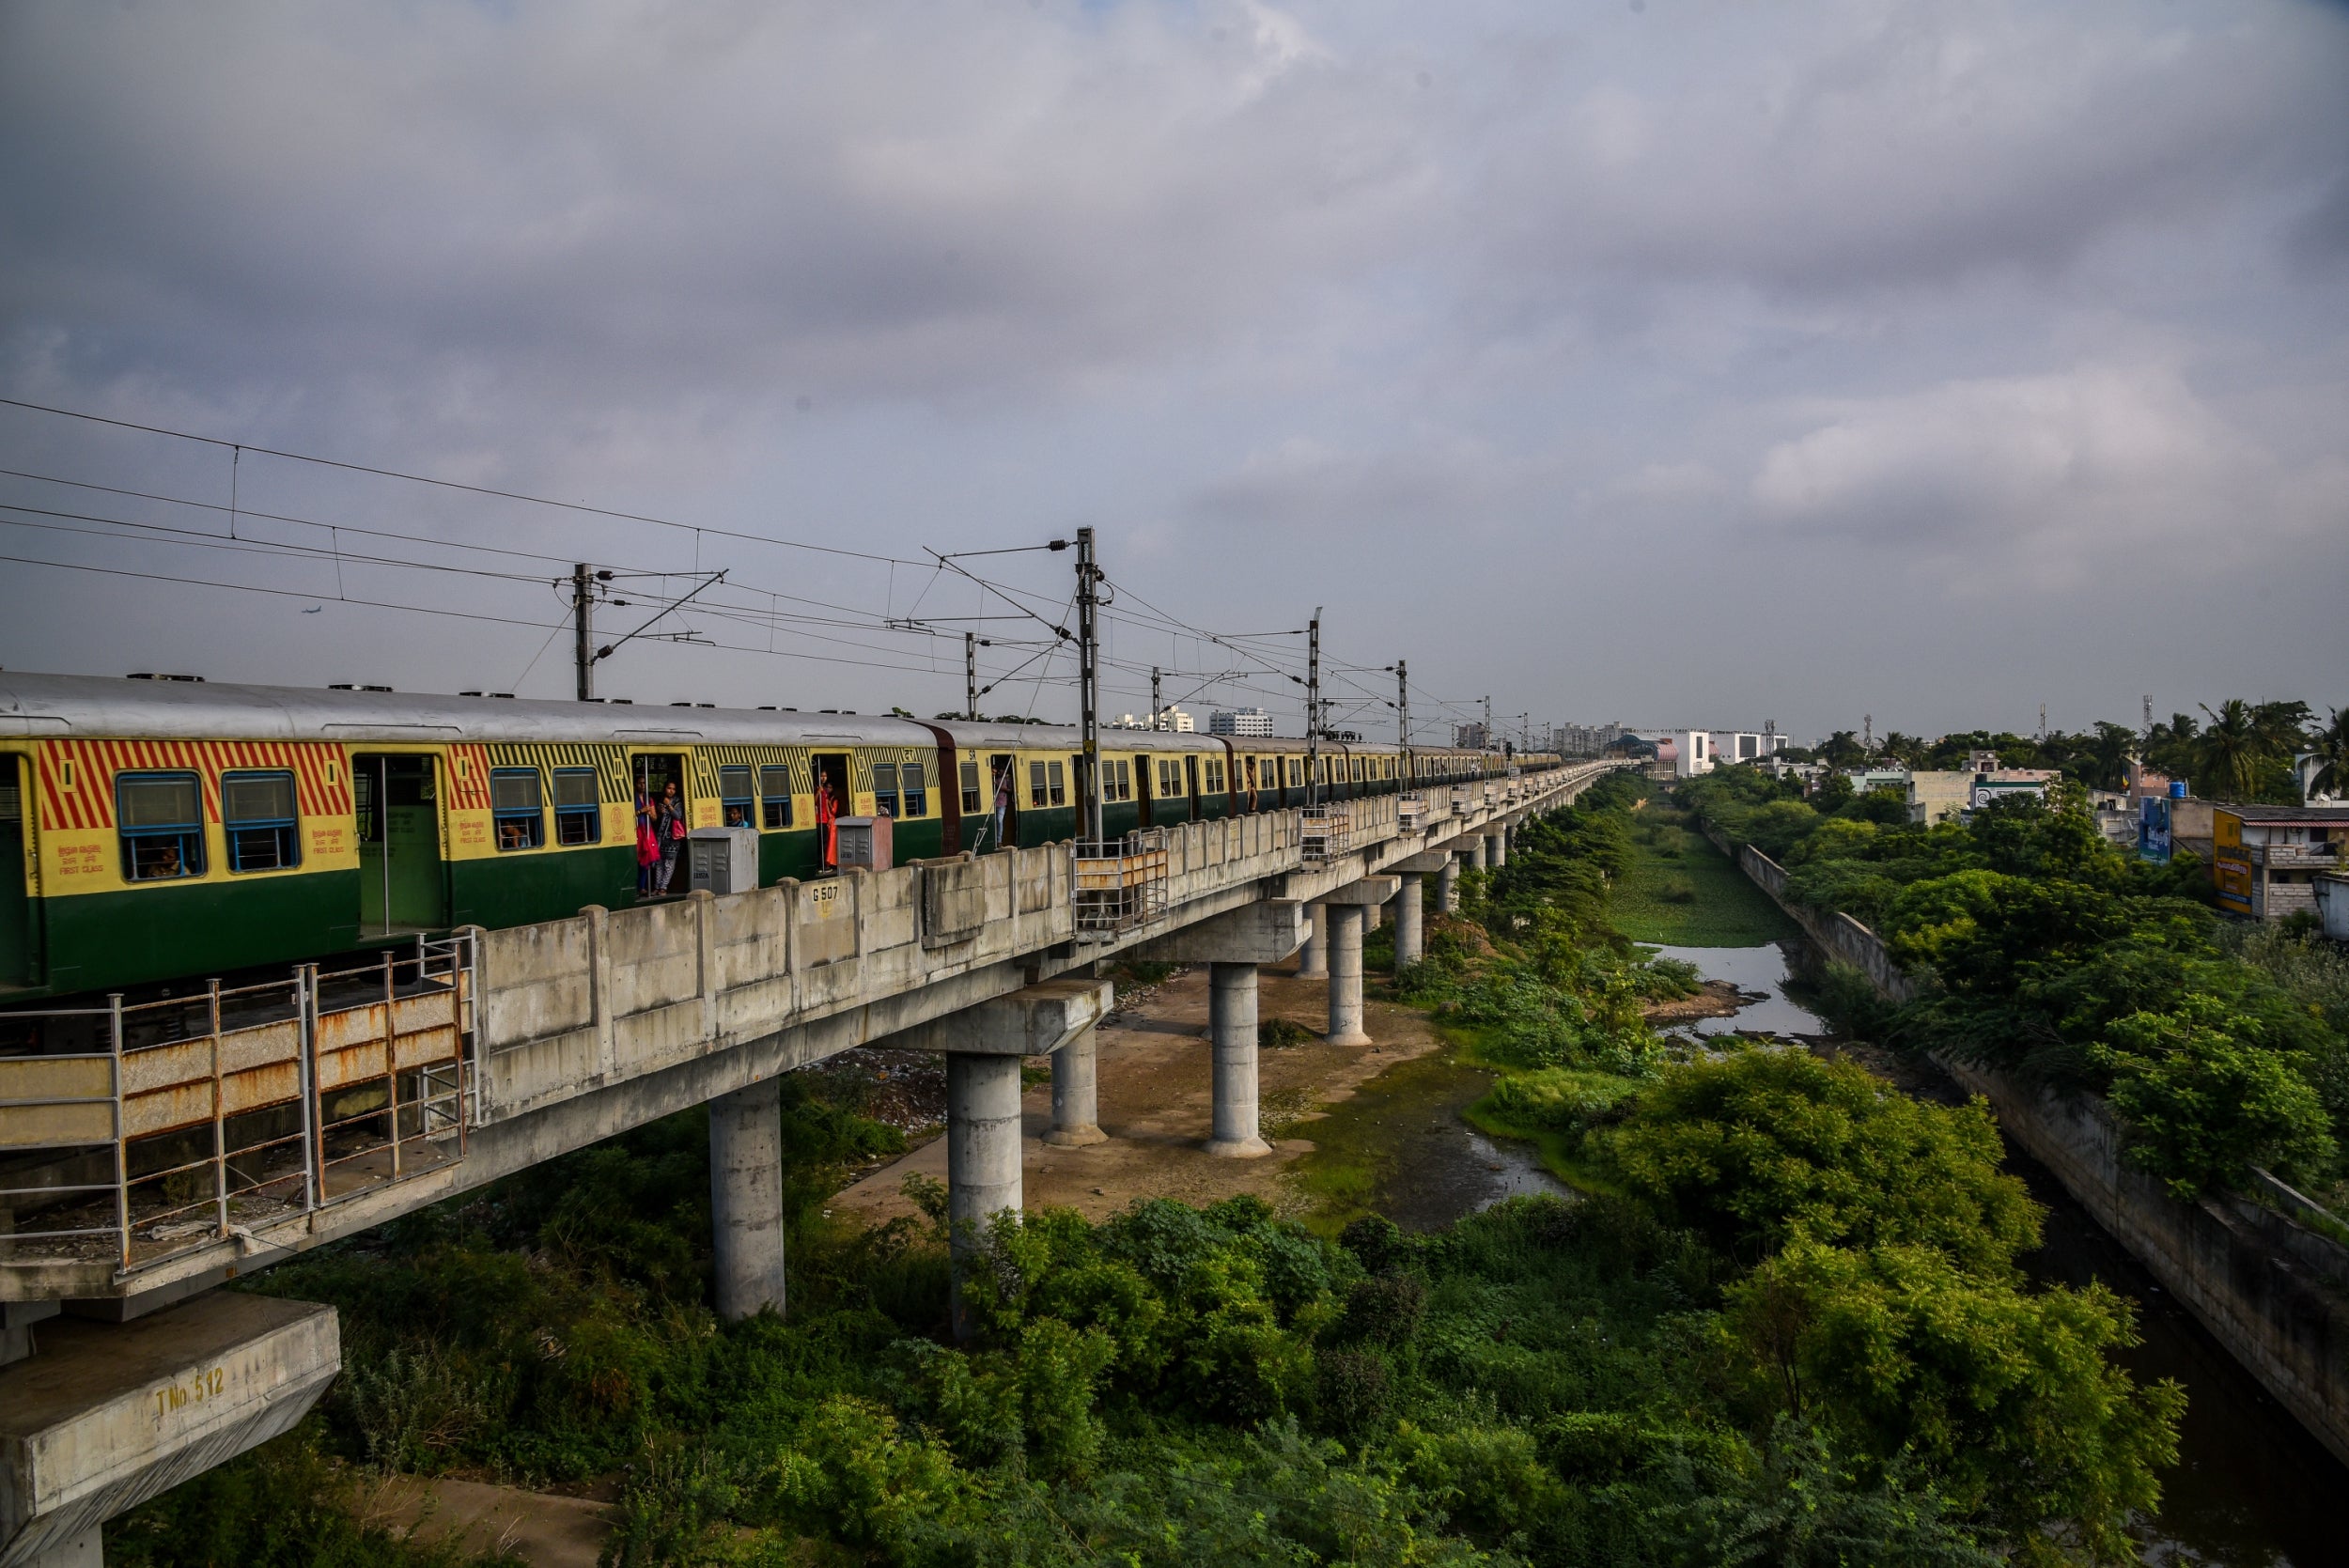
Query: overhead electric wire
[
  {"x": 580, "y": 507},
  {"x": 1155, "y": 618},
  {"x": 247, "y": 512},
  {"x": 418, "y": 609}
]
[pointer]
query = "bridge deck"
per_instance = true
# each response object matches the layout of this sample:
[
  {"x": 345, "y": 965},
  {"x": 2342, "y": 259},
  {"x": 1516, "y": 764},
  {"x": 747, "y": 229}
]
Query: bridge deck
[{"x": 360, "y": 1097}]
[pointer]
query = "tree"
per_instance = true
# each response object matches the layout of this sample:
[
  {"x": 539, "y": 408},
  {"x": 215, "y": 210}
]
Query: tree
[
  {"x": 1763, "y": 1149},
  {"x": 2282, "y": 727},
  {"x": 2010, "y": 1400},
  {"x": 1842, "y": 750},
  {"x": 2103, "y": 760},
  {"x": 2331, "y": 746},
  {"x": 2205, "y": 1104},
  {"x": 2228, "y": 757},
  {"x": 1906, "y": 750}
]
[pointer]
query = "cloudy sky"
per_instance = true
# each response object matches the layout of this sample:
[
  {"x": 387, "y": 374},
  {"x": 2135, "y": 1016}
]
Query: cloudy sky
[{"x": 1672, "y": 363}]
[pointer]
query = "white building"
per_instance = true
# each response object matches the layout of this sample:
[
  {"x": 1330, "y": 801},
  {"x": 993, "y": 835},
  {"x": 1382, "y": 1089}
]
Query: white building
[
  {"x": 1172, "y": 719},
  {"x": 1241, "y": 721},
  {"x": 1693, "y": 753}
]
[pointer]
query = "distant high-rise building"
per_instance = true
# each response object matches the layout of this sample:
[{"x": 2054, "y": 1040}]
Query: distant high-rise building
[
  {"x": 1582, "y": 740},
  {"x": 1471, "y": 737},
  {"x": 1241, "y": 721}
]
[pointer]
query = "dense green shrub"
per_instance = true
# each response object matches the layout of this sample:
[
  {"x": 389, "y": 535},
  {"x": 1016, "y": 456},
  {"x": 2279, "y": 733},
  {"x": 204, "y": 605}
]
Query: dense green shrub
[{"x": 1765, "y": 1148}]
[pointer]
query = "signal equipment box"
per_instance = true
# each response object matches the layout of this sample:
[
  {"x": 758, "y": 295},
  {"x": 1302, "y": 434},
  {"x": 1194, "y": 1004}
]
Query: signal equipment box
[
  {"x": 864, "y": 841},
  {"x": 723, "y": 859}
]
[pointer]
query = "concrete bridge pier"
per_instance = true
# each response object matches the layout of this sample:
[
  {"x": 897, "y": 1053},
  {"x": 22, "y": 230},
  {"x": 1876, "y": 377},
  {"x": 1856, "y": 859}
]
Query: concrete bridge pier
[
  {"x": 746, "y": 1200},
  {"x": 1409, "y": 947},
  {"x": 1448, "y": 884},
  {"x": 1076, "y": 1095},
  {"x": 984, "y": 1047},
  {"x": 1346, "y": 908},
  {"x": 1411, "y": 943},
  {"x": 1497, "y": 848},
  {"x": 1233, "y": 946},
  {"x": 1231, "y": 1015},
  {"x": 1313, "y": 959}
]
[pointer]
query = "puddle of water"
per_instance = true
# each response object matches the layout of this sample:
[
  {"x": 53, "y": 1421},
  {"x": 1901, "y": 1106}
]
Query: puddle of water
[
  {"x": 1399, "y": 1147},
  {"x": 1749, "y": 969}
]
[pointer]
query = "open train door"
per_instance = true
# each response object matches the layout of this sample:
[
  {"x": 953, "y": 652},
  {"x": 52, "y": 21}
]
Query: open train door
[
  {"x": 403, "y": 886},
  {"x": 1001, "y": 827},
  {"x": 19, "y": 964},
  {"x": 831, "y": 782}
]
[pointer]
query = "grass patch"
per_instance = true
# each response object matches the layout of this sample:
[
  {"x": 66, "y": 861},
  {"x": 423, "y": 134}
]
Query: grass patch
[
  {"x": 1679, "y": 890},
  {"x": 1357, "y": 1158}
]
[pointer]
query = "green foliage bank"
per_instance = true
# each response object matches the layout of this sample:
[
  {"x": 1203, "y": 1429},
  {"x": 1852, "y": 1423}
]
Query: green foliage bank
[{"x": 2051, "y": 956}]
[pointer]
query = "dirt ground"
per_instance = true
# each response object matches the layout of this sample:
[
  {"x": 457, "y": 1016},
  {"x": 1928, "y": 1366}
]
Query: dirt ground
[
  {"x": 474, "y": 1517},
  {"x": 1155, "y": 1099}
]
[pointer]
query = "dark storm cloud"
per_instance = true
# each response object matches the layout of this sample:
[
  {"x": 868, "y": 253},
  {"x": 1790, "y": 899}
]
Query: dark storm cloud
[{"x": 1809, "y": 306}]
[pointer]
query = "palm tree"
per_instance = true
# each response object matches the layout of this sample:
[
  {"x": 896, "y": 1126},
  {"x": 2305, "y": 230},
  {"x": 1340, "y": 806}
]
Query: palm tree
[
  {"x": 2106, "y": 756},
  {"x": 2229, "y": 755},
  {"x": 2285, "y": 726},
  {"x": 2331, "y": 748}
]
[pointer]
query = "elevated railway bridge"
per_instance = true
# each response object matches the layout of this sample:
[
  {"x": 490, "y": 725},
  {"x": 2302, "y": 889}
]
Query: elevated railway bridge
[{"x": 157, "y": 1148}]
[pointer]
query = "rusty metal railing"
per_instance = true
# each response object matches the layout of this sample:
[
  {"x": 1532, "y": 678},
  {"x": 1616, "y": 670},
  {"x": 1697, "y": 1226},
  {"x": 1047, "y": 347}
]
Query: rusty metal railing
[
  {"x": 136, "y": 1131},
  {"x": 1120, "y": 884},
  {"x": 1324, "y": 833}
]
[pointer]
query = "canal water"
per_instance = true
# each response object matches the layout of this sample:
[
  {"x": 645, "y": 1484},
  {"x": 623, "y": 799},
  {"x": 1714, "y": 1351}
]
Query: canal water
[{"x": 2251, "y": 1489}]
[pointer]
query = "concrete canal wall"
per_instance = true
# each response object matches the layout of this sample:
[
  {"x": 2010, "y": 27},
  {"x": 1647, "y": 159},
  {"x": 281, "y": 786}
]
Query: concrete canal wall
[{"x": 2274, "y": 1291}]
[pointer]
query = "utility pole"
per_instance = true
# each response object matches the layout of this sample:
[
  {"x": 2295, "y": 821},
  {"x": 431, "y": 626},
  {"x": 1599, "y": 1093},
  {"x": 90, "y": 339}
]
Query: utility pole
[
  {"x": 1867, "y": 734},
  {"x": 1488, "y": 721},
  {"x": 1089, "y": 680},
  {"x": 583, "y": 642},
  {"x": 1525, "y": 732},
  {"x": 1312, "y": 711},
  {"x": 2149, "y": 718},
  {"x": 1156, "y": 706},
  {"x": 2043, "y": 724},
  {"x": 1403, "y": 700},
  {"x": 970, "y": 676}
]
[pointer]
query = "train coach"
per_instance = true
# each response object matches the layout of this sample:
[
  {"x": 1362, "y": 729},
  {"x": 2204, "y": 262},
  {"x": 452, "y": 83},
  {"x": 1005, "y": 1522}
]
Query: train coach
[{"x": 152, "y": 829}]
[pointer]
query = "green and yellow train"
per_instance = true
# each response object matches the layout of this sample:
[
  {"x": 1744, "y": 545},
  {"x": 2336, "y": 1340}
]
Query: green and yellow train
[{"x": 153, "y": 830}]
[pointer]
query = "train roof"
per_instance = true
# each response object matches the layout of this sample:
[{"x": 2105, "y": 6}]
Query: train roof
[
  {"x": 110, "y": 705},
  {"x": 94, "y": 705}
]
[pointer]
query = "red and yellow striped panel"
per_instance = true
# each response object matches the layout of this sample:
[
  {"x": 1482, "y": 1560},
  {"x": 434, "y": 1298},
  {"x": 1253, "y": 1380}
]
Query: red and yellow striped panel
[
  {"x": 321, "y": 778},
  {"x": 468, "y": 778}
]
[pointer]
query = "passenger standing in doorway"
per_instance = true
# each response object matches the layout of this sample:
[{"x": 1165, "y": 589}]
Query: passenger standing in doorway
[
  {"x": 671, "y": 831},
  {"x": 648, "y": 844},
  {"x": 826, "y": 818}
]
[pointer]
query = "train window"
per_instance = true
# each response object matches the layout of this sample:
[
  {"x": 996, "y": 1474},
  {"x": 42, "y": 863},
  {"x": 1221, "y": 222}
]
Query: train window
[
  {"x": 518, "y": 802},
  {"x": 774, "y": 795},
  {"x": 578, "y": 806},
  {"x": 1170, "y": 778},
  {"x": 1212, "y": 780},
  {"x": 1036, "y": 783},
  {"x": 734, "y": 796},
  {"x": 161, "y": 818},
  {"x": 1059, "y": 784},
  {"x": 256, "y": 815},
  {"x": 971, "y": 804},
  {"x": 916, "y": 784},
  {"x": 885, "y": 788},
  {"x": 1122, "y": 778}
]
